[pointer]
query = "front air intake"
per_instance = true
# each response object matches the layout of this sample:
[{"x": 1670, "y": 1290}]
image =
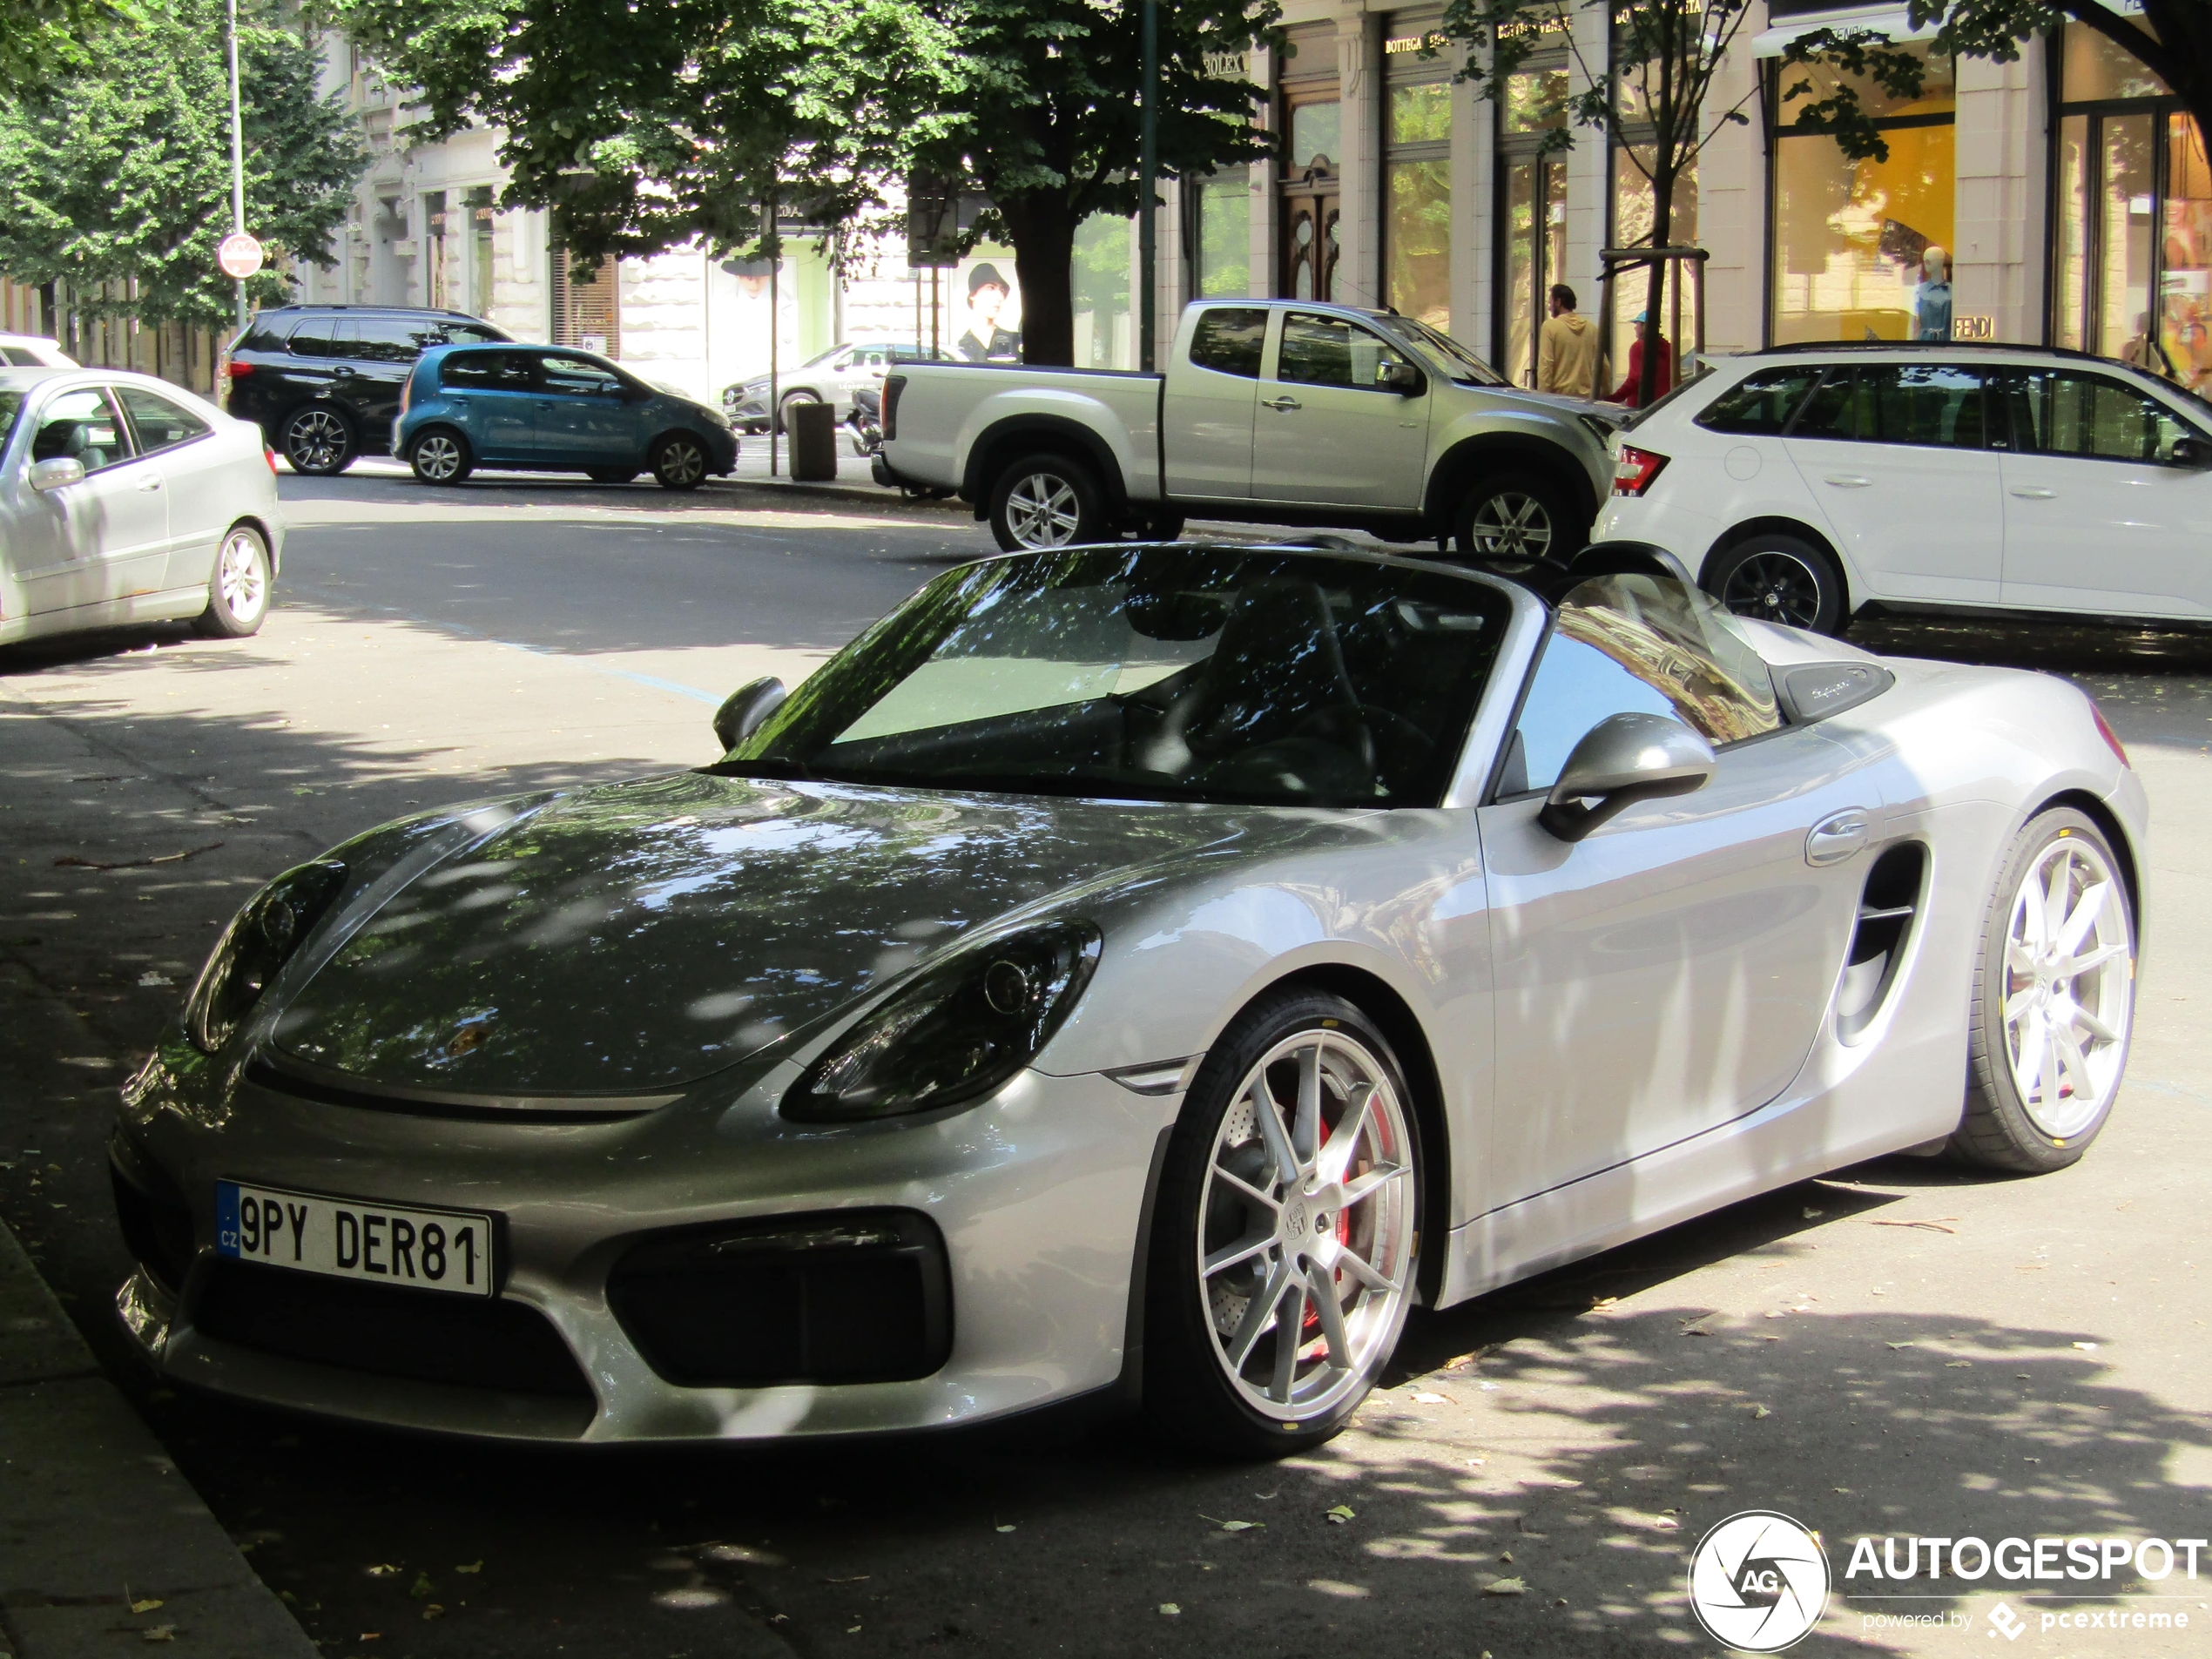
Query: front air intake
[{"x": 1886, "y": 907}]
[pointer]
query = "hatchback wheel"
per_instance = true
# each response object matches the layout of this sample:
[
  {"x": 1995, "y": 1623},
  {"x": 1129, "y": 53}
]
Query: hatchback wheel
[
  {"x": 680, "y": 461},
  {"x": 237, "y": 587},
  {"x": 440, "y": 456},
  {"x": 1775, "y": 578},
  {"x": 317, "y": 441},
  {"x": 1281, "y": 1264}
]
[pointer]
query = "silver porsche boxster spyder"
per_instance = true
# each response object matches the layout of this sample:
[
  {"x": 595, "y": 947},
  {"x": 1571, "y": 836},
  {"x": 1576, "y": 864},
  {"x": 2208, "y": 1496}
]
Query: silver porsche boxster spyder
[{"x": 1131, "y": 975}]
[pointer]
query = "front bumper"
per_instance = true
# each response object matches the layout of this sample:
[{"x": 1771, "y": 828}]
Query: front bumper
[{"x": 1037, "y": 1194}]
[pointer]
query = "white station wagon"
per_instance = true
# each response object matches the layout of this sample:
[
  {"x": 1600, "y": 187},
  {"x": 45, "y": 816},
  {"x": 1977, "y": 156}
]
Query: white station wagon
[
  {"x": 125, "y": 499},
  {"x": 1804, "y": 483}
]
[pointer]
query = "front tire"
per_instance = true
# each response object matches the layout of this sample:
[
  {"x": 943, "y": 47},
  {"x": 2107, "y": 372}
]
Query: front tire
[
  {"x": 2053, "y": 1001},
  {"x": 679, "y": 461},
  {"x": 440, "y": 456},
  {"x": 1281, "y": 1266},
  {"x": 1044, "y": 501},
  {"x": 317, "y": 441},
  {"x": 239, "y": 586},
  {"x": 1510, "y": 516},
  {"x": 1779, "y": 577}
]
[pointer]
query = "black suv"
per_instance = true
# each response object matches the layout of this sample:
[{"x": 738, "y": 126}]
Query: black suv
[{"x": 323, "y": 381}]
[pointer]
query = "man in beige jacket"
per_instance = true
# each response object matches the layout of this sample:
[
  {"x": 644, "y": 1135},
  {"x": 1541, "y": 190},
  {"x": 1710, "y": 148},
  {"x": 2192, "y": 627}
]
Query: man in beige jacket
[{"x": 1567, "y": 348}]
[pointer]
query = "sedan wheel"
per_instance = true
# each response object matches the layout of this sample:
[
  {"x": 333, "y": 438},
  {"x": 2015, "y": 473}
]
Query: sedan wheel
[
  {"x": 679, "y": 462},
  {"x": 317, "y": 442},
  {"x": 2054, "y": 1000},
  {"x": 238, "y": 588},
  {"x": 1283, "y": 1269},
  {"x": 440, "y": 457}
]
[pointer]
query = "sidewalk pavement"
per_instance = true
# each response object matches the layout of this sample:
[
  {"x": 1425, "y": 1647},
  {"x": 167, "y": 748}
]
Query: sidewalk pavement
[{"x": 104, "y": 1547}]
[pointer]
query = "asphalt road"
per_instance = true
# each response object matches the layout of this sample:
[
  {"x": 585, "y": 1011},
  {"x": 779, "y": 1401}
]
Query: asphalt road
[{"x": 1900, "y": 1348}]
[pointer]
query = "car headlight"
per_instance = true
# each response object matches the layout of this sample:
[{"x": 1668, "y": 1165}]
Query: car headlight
[
  {"x": 715, "y": 416},
  {"x": 260, "y": 941},
  {"x": 957, "y": 1033}
]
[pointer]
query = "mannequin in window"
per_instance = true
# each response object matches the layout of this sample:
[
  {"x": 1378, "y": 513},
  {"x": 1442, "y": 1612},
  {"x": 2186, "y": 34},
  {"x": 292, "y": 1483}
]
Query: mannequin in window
[
  {"x": 1932, "y": 299},
  {"x": 1630, "y": 390}
]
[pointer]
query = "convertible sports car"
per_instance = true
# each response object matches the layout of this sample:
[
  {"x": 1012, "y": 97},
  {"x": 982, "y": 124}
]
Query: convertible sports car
[{"x": 1135, "y": 973}]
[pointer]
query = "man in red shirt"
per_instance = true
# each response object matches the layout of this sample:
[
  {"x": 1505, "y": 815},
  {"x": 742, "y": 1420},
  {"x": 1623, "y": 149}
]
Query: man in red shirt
[{"x": 1629, "y": 391}]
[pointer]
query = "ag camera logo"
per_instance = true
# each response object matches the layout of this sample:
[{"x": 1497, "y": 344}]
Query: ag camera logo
[{"x": 1759, "y": 1582}]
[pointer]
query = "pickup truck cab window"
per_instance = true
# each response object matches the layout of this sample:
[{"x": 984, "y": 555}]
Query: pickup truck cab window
[
  {"x": 1319, "y": 350},
  {"x": 1230, "y": 340}
]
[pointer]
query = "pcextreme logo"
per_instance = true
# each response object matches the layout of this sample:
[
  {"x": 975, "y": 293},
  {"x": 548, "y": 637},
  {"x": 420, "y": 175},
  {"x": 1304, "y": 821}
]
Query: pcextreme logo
[{"x": 1759, "y": 1582}]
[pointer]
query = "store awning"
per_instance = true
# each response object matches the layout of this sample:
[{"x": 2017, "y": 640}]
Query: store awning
[{"x": 1893, "y": 21}]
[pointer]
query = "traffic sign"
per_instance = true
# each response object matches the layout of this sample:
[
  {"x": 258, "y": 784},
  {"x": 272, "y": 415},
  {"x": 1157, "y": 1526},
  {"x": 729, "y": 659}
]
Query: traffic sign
[{"x": 240, "y": 255}]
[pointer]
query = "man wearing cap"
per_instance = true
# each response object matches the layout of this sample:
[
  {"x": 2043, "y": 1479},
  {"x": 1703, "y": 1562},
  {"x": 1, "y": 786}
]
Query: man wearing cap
[
  {"x": 1630, "y": 391},
  {"x": 984, "y": 341},
  {"x": 1567, "y": 348}
]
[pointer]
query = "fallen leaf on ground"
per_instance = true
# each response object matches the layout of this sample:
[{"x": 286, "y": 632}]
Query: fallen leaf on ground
[
  {"x": 434, "y": 1611},
  {"x": 1931, "y": 1226},
  {"x": 1430, "y": 1399},
  {"x": 146, "y": 1606},
  {"x": 857, "y": 1578},
  {"x": 1897, "y": 1345},
  {"x": 1241, "y": 1526},
  {"x": 1505, "y": 1586},
  {"x": 1505, "y": 1556},
  {"x": 1006, "y": 1529},
  {"x": 159, "y": 1633},
  {"x": 422, "y": 1586},
  {"x": 152, "y": 978},
  {"x": 1761, "y": 1411},
  {"x": 383, "y": 1569},
  {"x": 1958, "y": 1364},
  {"x": 2087, "y": 1347},
  {"x": 1169, "y": 1609},
  {"x": 1813, "y": 1215},
  {"x": 472, "y": 1567},
  {"x": 1696, "y": 1327},
  {"x": 1341, "y": 1513}
]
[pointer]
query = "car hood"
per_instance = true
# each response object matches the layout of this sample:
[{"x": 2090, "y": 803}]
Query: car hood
[{"x": 641, "y": 936}]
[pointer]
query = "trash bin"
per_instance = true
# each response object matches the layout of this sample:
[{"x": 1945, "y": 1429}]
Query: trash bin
[{"x": 814, "y": 442}]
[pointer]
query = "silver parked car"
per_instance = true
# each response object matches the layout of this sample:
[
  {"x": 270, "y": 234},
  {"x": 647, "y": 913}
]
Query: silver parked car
[
  {"x": 830, "y": 377},
  {"x": 125, "y": 499},
  {"x": 1127, "y": 972}
]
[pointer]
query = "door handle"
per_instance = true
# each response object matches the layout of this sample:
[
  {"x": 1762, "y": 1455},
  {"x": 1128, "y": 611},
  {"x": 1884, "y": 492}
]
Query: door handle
[
  {"x": 343, "y": 372},
  {"x": 1836, "y": 837},
  {"x": 2029, "y": 492},
  {"x": 152, "y": 481},
  {"x": 1284, "y": 404},
  {"x": 1848, "y": 480}
]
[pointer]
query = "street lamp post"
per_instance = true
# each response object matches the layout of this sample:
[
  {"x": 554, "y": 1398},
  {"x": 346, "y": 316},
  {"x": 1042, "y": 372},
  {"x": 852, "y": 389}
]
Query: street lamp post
[
  {"x": 237, "y": 154},
  {"x": 1147, "y": 167}
]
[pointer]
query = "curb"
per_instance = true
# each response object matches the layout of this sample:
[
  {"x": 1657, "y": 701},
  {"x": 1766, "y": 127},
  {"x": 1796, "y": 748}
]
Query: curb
[{"x": 95, "y": 1519}]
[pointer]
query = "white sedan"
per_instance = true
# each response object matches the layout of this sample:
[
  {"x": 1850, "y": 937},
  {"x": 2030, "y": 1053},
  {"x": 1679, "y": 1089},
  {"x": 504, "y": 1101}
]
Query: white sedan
[{"x": 125, "y": 499}]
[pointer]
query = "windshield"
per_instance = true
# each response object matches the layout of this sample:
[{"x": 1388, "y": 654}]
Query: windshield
[
  {"x": 11, "y": 407},
  {"x": 1454, "y": 358},
  {"x": 1210, "y": 674}
]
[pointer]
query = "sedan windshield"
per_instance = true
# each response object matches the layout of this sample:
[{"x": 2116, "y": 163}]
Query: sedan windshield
[{"x": 1219, "y": 674}]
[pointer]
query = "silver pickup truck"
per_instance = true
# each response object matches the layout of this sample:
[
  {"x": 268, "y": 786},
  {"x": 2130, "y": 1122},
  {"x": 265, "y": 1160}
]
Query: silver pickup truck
[{"x": 1274, "y": 411}]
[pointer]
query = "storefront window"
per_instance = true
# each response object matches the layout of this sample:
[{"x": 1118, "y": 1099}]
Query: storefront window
[
  {"x": 1632, "y": 223},
  {"x": 1535, "y": 100},
  {"x": 1223, "y": 235},
  {"x": 1315, "y": 137},
  {"x": 1532, "y": 191},
  {"x": 434, "y": 265},
  {"x": 2185, "y": 286},
  {"x": 1417, "y": 233},
  {"x": 1849, "y": 237},
  {"x": 1100, "y": 276},
  {"x": 478, "y": 201}
]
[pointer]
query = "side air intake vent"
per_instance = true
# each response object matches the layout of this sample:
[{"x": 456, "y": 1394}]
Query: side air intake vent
[{"x": 1886, "y": 906}]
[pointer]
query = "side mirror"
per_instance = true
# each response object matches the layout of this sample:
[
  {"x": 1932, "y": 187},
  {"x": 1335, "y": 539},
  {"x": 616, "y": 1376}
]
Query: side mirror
[
  {"x": 1622, "y": 760},
  {"x": 58, "y": 473},
  {"x": 1403, "y": 379},
  {"x": 2190, "y": 452},
  {"x": 744, "y": 710}
]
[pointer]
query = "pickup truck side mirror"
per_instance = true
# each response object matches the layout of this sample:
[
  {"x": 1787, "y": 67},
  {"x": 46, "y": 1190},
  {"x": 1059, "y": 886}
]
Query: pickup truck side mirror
[
  {"x": 2190, "y": 452},
  {"x": 744, "y": 710},
  {"x": 1622, "y": 760},
  {"x": 1403, "y": 379}
]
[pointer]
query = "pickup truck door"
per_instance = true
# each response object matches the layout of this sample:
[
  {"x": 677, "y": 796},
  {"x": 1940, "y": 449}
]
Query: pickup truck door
[
  {"x": 1209, "y": 401},
  {"x": 1326, "y": 432}
]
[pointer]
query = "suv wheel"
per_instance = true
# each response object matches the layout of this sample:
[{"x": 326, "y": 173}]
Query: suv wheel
[
  {"x": 1775, "y": 578},
  {"x": 1512, "y": 516},
  {"x": 317, "y": 441}
]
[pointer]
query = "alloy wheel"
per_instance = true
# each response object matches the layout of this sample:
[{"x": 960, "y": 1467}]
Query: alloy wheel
[
  {"x": 1305, "y": 1226},
  {"x": 1774, "y": 586},
  {"x": 2068, "y": 962},
  {"x": 241, "y": 577},
  {"x": 1043, "y": 510},
  {"x": 315, "y": 441},
  {"x": 681, "y": 464},
  {"x": 1511, "y": 525},
  {"x": 437, "y": 457}
]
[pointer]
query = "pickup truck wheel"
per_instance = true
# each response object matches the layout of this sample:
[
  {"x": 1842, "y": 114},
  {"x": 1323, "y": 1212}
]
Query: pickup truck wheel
[
  {"x": 1046, "y": 501},
  {"x": 1508, "y": 517}
]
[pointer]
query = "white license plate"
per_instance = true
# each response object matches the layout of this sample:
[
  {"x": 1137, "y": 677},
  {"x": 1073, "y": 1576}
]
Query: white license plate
[{"x": 430, "y": 1249}]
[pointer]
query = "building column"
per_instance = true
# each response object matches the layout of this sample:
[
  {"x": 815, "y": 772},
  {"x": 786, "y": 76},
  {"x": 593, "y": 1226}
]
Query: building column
[
  {"x": 1589, "y": 178},
  {"x": 1731, "y": 201},
  {"x": 1474, "y": 218},
  {"x": 1998, "y": 269},
  {"x": 1359, "y": 279},
  {"x": 1267, "y": 205},
  {"x": 1171, "y": 286}
]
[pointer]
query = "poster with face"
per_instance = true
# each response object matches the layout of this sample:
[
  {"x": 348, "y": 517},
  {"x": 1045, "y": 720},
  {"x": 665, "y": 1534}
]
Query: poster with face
[{"x": 991, "y": 328}]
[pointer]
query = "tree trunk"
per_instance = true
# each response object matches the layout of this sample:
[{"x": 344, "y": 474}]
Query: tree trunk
[
  {"x": 1662, "y": 213},
  {"x": 1043, "y": 228}
]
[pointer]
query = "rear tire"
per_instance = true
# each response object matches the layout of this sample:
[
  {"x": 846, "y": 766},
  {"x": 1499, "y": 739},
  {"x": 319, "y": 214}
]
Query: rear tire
[
  {"x": 1214, "y": 1373},
  {"x": 1043, "y": 502},
  {"x": 239, "y": 588},
  {"x": 317, "y": 441},
  {"x": 1774, "y": 576},
  {"x": 2047, "y": 1041},
  {"x": 440, "y": 455},
  {"x": 1510, "y": 516},
  {"x": 680, "y": 461}
]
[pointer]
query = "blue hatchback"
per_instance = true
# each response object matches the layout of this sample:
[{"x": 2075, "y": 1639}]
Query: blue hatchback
[{"x": 547, "y": 408}]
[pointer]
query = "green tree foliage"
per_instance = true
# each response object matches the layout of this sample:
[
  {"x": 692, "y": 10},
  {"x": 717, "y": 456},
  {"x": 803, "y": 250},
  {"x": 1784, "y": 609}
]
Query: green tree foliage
[
  {"x": 42, "y": 41},
  {"x": 121, "y": 172},
  {"x": 1650, "y": 105},
  {"x": 645, "y": 123}
]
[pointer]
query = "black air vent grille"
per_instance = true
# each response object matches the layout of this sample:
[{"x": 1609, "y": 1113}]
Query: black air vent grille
[{"x": 1886, "y": 907}]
